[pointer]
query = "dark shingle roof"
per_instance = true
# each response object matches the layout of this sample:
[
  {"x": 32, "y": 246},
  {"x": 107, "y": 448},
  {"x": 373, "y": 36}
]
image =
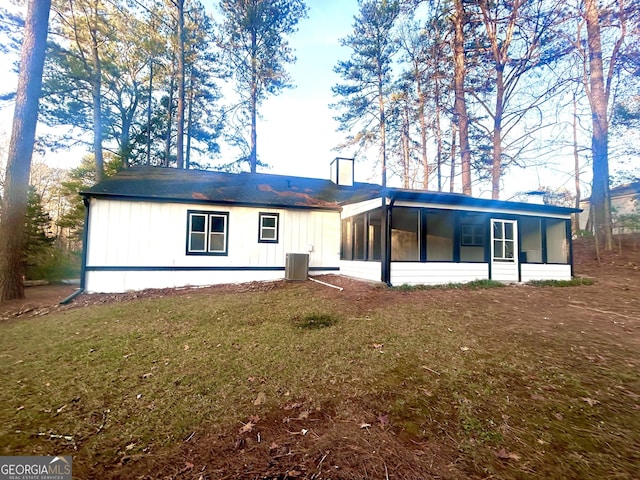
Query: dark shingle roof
[
  {"x": 261, "y": 189},
  {"x": 170, "y": 184}
]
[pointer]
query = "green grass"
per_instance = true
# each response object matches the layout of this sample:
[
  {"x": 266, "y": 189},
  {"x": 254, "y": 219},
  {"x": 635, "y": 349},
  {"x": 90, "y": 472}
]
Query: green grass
[
  {"x": 139, "y": 377},
  {"x": 574, "y": 282},
  {"x": 473, "y": 285}
]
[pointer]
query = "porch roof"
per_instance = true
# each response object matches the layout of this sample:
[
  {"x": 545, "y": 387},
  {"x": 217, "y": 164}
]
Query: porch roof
[{"x": 460, "y": 200}]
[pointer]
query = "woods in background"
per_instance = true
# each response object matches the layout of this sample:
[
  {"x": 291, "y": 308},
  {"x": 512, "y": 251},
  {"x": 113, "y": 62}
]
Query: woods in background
[{"x": 445, "y": 94}]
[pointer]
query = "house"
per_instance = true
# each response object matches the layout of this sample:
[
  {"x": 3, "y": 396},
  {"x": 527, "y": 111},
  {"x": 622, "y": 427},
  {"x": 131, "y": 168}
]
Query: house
[
  {"x": 625, "y": 202},
  {"x": 152, "y": 227}
]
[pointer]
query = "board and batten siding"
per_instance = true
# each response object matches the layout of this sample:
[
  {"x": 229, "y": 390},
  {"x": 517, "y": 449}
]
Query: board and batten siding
[
  {"x": 153, "y": 236},
  {"x": 437, "y": 273}
]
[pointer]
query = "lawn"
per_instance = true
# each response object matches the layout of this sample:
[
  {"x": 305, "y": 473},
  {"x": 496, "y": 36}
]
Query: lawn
[{"x": 297, "y": 380}]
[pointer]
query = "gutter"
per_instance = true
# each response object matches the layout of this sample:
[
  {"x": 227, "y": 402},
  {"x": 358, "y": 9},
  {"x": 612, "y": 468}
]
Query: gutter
[{"x": 83, "y": 265}]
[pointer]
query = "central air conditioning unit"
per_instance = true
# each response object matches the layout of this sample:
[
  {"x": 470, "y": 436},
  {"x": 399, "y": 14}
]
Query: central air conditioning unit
[{"x": 296, "y": 266}]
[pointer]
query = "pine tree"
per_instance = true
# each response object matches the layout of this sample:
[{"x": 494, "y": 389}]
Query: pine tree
[
  {"x": 253, "y": 37},
  {"x": 363, "y": 98},
  {"x": 37, "y": 249}
]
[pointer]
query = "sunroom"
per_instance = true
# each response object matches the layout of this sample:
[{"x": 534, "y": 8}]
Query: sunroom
[{"x": 436, "y": 238}]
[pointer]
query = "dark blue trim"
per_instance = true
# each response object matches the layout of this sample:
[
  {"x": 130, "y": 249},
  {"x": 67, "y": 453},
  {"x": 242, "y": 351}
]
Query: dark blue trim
[
  {"x": 127, "y": 268},
  {"x": 261, "y": 215},
  {"x": 85, "y": 244},
  {"x": 543, "y": 239}
]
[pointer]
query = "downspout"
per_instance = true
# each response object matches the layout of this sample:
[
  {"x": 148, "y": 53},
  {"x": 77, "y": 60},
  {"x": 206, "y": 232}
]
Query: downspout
[{"x": 83, "y": 264}]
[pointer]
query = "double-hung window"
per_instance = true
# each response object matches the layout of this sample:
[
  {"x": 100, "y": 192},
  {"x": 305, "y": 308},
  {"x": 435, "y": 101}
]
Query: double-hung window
[
  {"x": 268, "y": 228},
  {"x": 207, "y": 233}
]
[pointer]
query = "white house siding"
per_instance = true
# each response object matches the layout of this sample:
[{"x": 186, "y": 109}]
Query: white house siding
[
  {"x": 122, "y": 281},
  {"x": 364, "y": 270},
  {"x": 154, "y": 234},
  {"x": 530, "y": 272},
  {"x": 436, "y": 273},
  {"x": 504, "y": 272}
]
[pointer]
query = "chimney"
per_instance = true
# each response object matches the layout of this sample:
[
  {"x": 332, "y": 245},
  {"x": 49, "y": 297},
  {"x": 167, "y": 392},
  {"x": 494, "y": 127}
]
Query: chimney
[{"x": 342, "y": 171}]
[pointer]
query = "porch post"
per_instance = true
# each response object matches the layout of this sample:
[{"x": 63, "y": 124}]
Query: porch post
[{"x": 386, "y": 240}]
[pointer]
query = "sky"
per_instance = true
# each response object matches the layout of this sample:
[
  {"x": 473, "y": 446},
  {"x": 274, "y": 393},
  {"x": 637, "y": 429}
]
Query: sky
[{"x": 297, "y": 133}]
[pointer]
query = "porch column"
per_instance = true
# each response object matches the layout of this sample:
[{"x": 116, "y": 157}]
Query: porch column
[{"x": 386, "y": 240}]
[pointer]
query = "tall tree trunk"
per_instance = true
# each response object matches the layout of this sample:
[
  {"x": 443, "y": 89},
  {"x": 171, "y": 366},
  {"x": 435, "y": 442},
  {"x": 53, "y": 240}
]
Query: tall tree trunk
[
  {"x": 25, "y": 117},
  {"x": 452, "y": 178},
  {"x": 96, "y": 97},
  {"x": 600, "y": 199},
  {"x": 190, "y": 120},
  {"x": 576, "y": 159},
  {"x": 406, "y": 147},
  {"x": 149, "y": 112},
  {"x": 180, "y": 112},
  {"x": 460, "y": 107},
  {"x": 383, "y": 126},
  {"x": 423, "y": 135},
  {"x": 253, "y": 158},
  {"x": 438, "y": 132},
  {"x": 496, "y": 161},
  {"x": 167, "y": 144}
]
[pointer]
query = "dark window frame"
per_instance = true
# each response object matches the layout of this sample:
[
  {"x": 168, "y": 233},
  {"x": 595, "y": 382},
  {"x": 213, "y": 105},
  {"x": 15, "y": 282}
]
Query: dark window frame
[
  {"x": 261, "y": 227},
  {"x": 476, "y": 235},
  {"x": 208, "y": 215}
]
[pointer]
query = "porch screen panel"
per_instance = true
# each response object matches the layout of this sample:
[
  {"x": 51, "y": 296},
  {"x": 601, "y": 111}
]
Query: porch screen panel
[
  {"x": 359, "y": 238},
  {"x": 347, "y": 247},
  {"x": 375, "y": 235},
  {"x": 530, "y": 239},
  {"x": 405, "y": 223},
  {"x": 557, "y": 243},
  {"x": 440, "y": 227}
]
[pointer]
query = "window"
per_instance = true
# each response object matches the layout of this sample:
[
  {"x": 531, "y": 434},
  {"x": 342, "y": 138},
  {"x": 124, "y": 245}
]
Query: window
[
  {"x": 207, "y": 233},
  {"x": 471, "y": 235},
  {"x": 473, "y": 229},
  {"x": 268, "y": 227}
]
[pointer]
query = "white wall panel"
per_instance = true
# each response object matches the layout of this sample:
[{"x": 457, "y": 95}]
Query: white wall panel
[
  {"x": 364, "y": 270},
  {"x": 436, "y": 273},
  {"x": 545, "y": 272},
  {"x": 504, "y": 272},
  {"x": 116, "y": 282}
]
